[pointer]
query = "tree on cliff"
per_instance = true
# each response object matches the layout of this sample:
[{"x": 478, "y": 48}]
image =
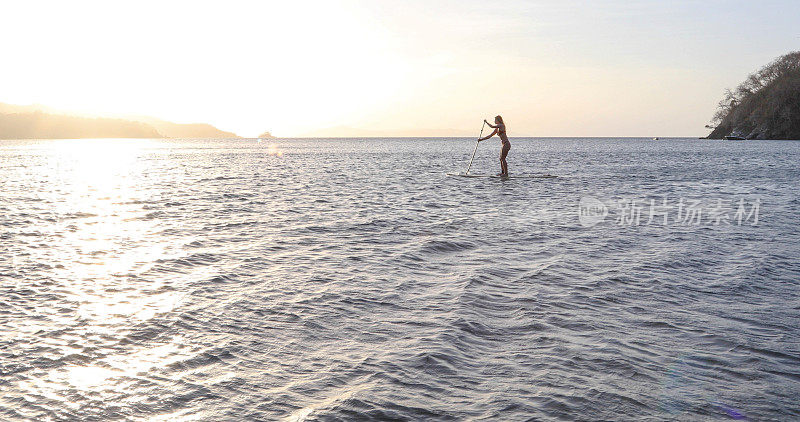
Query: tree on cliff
[{"x": 765, "y": 106}]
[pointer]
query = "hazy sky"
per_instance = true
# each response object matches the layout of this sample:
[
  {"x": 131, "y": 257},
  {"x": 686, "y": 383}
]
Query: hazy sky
[{"x": 551, "y": 67}]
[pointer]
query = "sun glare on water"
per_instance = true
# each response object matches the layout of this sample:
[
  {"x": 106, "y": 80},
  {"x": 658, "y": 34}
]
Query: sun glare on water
[
  {"x": 273, "y": 149},
  {"x": 101, "y": 242}
]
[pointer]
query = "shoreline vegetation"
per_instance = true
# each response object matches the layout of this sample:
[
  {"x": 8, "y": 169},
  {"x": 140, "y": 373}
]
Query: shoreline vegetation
[
  {"x": 765, "y": 106},
  {"x": 37, "y": 122}
]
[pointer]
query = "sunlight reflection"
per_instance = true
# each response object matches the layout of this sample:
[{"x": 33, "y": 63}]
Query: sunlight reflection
[
  {"x": 272, "y": 149},
  {"x": 147, "y": 359},
  {"x": 95, "y": 169},
  {"x": 101, "y": 246},
  {"x": 87, "y": 377},
  {"x": 122, "y": 307},
  {"x": 108, "y": 374}
]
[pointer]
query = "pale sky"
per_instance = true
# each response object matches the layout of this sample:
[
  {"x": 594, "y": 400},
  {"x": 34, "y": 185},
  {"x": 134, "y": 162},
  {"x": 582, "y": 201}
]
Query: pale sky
[{"x": 407, "y": 67}]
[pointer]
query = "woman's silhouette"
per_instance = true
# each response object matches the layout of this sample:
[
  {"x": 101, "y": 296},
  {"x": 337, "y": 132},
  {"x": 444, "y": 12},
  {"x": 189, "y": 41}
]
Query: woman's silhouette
[{"x": 500, "y": 129}]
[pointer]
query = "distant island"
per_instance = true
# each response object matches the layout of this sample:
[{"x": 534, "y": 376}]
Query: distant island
[
  {"x": 39, "y": 122},
  {"x": 266, "y": 135},
  {"x": 765, "y": 106}
]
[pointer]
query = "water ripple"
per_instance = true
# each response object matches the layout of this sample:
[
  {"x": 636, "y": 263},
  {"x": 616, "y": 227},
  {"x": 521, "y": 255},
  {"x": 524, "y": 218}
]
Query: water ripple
[{"x": 353, "y": 280}]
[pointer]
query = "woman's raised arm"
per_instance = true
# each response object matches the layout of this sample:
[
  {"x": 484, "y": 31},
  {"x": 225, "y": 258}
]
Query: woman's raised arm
[{"x": 489, "y": 135}]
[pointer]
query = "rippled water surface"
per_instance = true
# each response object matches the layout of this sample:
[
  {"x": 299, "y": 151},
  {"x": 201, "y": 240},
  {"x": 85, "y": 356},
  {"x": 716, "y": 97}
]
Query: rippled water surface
[{"x": 352, "y": 279}]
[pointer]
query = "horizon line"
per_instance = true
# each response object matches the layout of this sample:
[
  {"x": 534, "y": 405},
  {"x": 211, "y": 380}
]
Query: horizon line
[{"x": 459, "y": 137}]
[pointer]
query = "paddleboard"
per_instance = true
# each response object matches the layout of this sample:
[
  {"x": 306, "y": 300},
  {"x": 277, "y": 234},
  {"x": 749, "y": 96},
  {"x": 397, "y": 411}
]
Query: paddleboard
[{"x": 511, "y": 176}]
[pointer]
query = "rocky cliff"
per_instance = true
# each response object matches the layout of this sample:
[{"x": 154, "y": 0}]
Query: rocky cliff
[{"x": 765, "y": 106}]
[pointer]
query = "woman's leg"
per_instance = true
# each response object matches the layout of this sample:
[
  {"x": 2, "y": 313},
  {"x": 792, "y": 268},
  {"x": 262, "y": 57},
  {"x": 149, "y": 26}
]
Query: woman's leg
[{"x": 503, "y": 162}]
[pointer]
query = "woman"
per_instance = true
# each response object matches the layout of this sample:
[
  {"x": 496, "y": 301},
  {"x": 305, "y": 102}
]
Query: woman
[{"x": 500, "y": 129}]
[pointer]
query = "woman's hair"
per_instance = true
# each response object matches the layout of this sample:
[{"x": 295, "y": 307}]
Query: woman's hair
[{"x": 499, "y": 119}]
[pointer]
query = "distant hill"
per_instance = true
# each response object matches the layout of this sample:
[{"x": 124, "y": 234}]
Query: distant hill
[
  {"x": 185, "y": 130},
  {"x": 40, "y": 122},
  {"x": 266, "y": 135},
  {"x": 765, "y": 106},
  {"x": 13, "y": 108},
  {"x": 38, "y": 125}
]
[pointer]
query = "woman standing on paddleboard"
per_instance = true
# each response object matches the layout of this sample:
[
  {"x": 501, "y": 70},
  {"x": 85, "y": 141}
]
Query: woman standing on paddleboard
[{"x": 500, "y": 129}]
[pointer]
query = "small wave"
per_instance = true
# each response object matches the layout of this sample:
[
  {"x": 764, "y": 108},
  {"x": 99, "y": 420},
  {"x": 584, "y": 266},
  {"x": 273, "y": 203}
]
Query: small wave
[
  {"x": 445, "y": 246},
  {"x": 218, "y": 178}
]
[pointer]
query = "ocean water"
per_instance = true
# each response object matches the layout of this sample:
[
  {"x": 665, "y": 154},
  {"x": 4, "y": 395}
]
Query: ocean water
[{"x": 352, "y": 279}]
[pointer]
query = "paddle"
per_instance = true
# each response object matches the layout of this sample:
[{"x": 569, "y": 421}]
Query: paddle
[{"x": 476, "y": 147}]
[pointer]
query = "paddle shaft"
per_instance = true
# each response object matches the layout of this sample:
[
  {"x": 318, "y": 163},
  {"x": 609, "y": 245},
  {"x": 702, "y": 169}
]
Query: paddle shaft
[{"x": 476, "y": 147}]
